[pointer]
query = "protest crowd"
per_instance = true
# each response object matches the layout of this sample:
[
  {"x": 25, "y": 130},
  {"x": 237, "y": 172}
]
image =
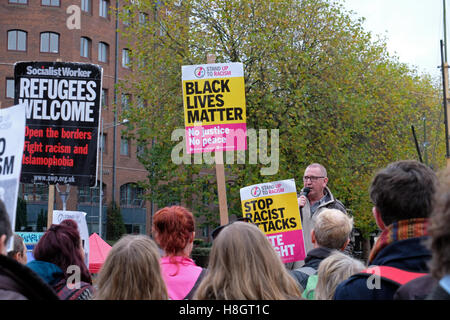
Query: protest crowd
[{"x": 408, "y": 261}]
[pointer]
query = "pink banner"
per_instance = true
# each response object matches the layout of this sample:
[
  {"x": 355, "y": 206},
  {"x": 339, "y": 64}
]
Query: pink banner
[
  {"x": 220, "y": 137},
  {"x": 289, "y": 245}
]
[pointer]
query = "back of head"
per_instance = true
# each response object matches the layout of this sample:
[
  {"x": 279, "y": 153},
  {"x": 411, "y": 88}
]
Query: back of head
[
  {"x": 18, "y": 246},
  {"x": 244, "y": 265},
  {"x": 70, "y": 223},
  {"x": 332, "y": 228},
  {"x": 131, "y": 271},
  {"x": 5, "y": 224},
  {"x": 334, "y": 269},
  {"x": 61, "y": 245},
  {"x": 440, "y": 228},
  {"x": 173, "y": 228},
  {"x": 403, "y": 190}
]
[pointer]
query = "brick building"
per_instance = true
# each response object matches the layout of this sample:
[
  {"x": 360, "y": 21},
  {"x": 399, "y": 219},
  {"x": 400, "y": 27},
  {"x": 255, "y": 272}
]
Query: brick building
[{"x": 77, "y": 31}]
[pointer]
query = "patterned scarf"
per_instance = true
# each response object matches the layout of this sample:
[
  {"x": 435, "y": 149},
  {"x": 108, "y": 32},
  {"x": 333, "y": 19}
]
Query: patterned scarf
[{"x": 400, "y": 230}]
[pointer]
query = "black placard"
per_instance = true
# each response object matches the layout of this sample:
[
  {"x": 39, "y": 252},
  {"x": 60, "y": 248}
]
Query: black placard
[{"x": 62, "y": 121}]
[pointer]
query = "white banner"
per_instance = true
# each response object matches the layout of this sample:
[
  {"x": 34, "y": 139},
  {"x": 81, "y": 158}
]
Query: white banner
[{"x": 12, "y": 136}]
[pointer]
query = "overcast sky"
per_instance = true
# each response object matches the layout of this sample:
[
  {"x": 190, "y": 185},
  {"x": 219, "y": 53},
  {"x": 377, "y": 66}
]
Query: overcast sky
[{"x": 413, "y": 28}]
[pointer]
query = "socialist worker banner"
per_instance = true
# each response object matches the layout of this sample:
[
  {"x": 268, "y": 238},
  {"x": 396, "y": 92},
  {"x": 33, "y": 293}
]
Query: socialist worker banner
[
  {"x": 274, "y": 209},
  {"x": 214, "y": 107},
  {"x": 62, "y": 108}
]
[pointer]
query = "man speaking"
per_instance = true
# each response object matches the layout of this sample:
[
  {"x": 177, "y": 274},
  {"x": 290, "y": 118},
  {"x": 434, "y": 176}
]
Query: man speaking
[{"x": 314, "y": 197}]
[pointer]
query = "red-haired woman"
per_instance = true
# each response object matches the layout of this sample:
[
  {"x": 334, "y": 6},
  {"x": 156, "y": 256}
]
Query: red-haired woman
[
  {"x": 60, "y": 262},
  {"x": 173, "y": 230}
]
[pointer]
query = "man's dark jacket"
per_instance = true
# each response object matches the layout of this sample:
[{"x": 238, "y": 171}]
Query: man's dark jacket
[
  {"x": 417, "y": 289},
  {"x": 409, "y": 255}
]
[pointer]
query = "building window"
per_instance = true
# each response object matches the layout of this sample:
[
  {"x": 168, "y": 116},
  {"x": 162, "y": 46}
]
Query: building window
[
  {"x": 140, "y": 103},
  {"x": 34, "y": 192},
  {"x": 205, "y": 231},
  {"x": 124, "y": 147},
  {"x": 18, "y": 1},
  {"x": 86, "y": 5},
  {"x": 87, "y": 194},
  {"x": 17, "y": 40},
  {"x": 126, "y": 17},
  {"x": 52, "y": 3},
  {"x": 49, "y": 42},
  {"x": 104, "y": 97},
  {"x": 103, "y": 52},
  {"x": 85, "y": 47},
  {"x": 126, "y": 98},
  {"x": 10, "y": 88},
  {"x": 140, "y": 150},
  {"x": 143, "y": 17},
  {"x": 102, "y": 143},
  {"x": 131, "y": 195},
  {"x": 103, "y": 8},
  {"x": 125, "y": 58},
  {"x": 134, "y": 228}
]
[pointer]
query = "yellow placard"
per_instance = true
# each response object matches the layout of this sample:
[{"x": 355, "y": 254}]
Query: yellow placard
[
  {"x": 274, "y": 214},
  {"x": 214, "y": 101}
]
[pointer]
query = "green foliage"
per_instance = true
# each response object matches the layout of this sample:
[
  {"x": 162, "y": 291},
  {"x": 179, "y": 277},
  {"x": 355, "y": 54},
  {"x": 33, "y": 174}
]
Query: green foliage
[
  {"x": 311, "y": 71},
  {"x": 115, "y": 227},
  {"x": 201, "y": 251},
  {"x": 21, "y": 214}
]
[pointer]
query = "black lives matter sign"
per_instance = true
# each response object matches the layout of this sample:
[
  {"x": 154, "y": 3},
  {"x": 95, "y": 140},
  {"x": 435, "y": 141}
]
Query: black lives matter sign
[{"x": 62, "y": 108}]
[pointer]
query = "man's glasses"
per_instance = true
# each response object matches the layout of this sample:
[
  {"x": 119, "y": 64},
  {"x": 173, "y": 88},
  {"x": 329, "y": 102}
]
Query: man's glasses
[
  {"x": 312, "y": 178},
  {"x": 217, "y": 230}
]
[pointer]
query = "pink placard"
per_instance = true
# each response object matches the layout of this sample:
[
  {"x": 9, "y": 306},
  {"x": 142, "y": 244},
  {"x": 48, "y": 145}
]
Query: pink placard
[
  {"x": 289, "y": 245},
  {"x": 220, "y": 137}
]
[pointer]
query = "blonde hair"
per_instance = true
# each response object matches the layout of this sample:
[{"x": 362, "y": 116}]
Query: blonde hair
[
  {"x": 332, "y": 228},
  {"x": 334, "y": 269},
  {"x": 132, "y": 272},
  {"x": 243, "y": 265}
]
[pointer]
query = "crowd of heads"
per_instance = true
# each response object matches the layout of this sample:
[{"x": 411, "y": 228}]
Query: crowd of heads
[{"x": 243, "y": 264}]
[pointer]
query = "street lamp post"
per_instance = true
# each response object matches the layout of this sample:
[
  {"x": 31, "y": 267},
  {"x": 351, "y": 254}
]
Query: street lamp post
[{"x": 100, "y": 201}]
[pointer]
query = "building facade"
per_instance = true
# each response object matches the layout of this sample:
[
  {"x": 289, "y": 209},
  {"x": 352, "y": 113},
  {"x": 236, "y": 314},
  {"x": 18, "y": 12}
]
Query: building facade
[{"x": 78, "y": 31}]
